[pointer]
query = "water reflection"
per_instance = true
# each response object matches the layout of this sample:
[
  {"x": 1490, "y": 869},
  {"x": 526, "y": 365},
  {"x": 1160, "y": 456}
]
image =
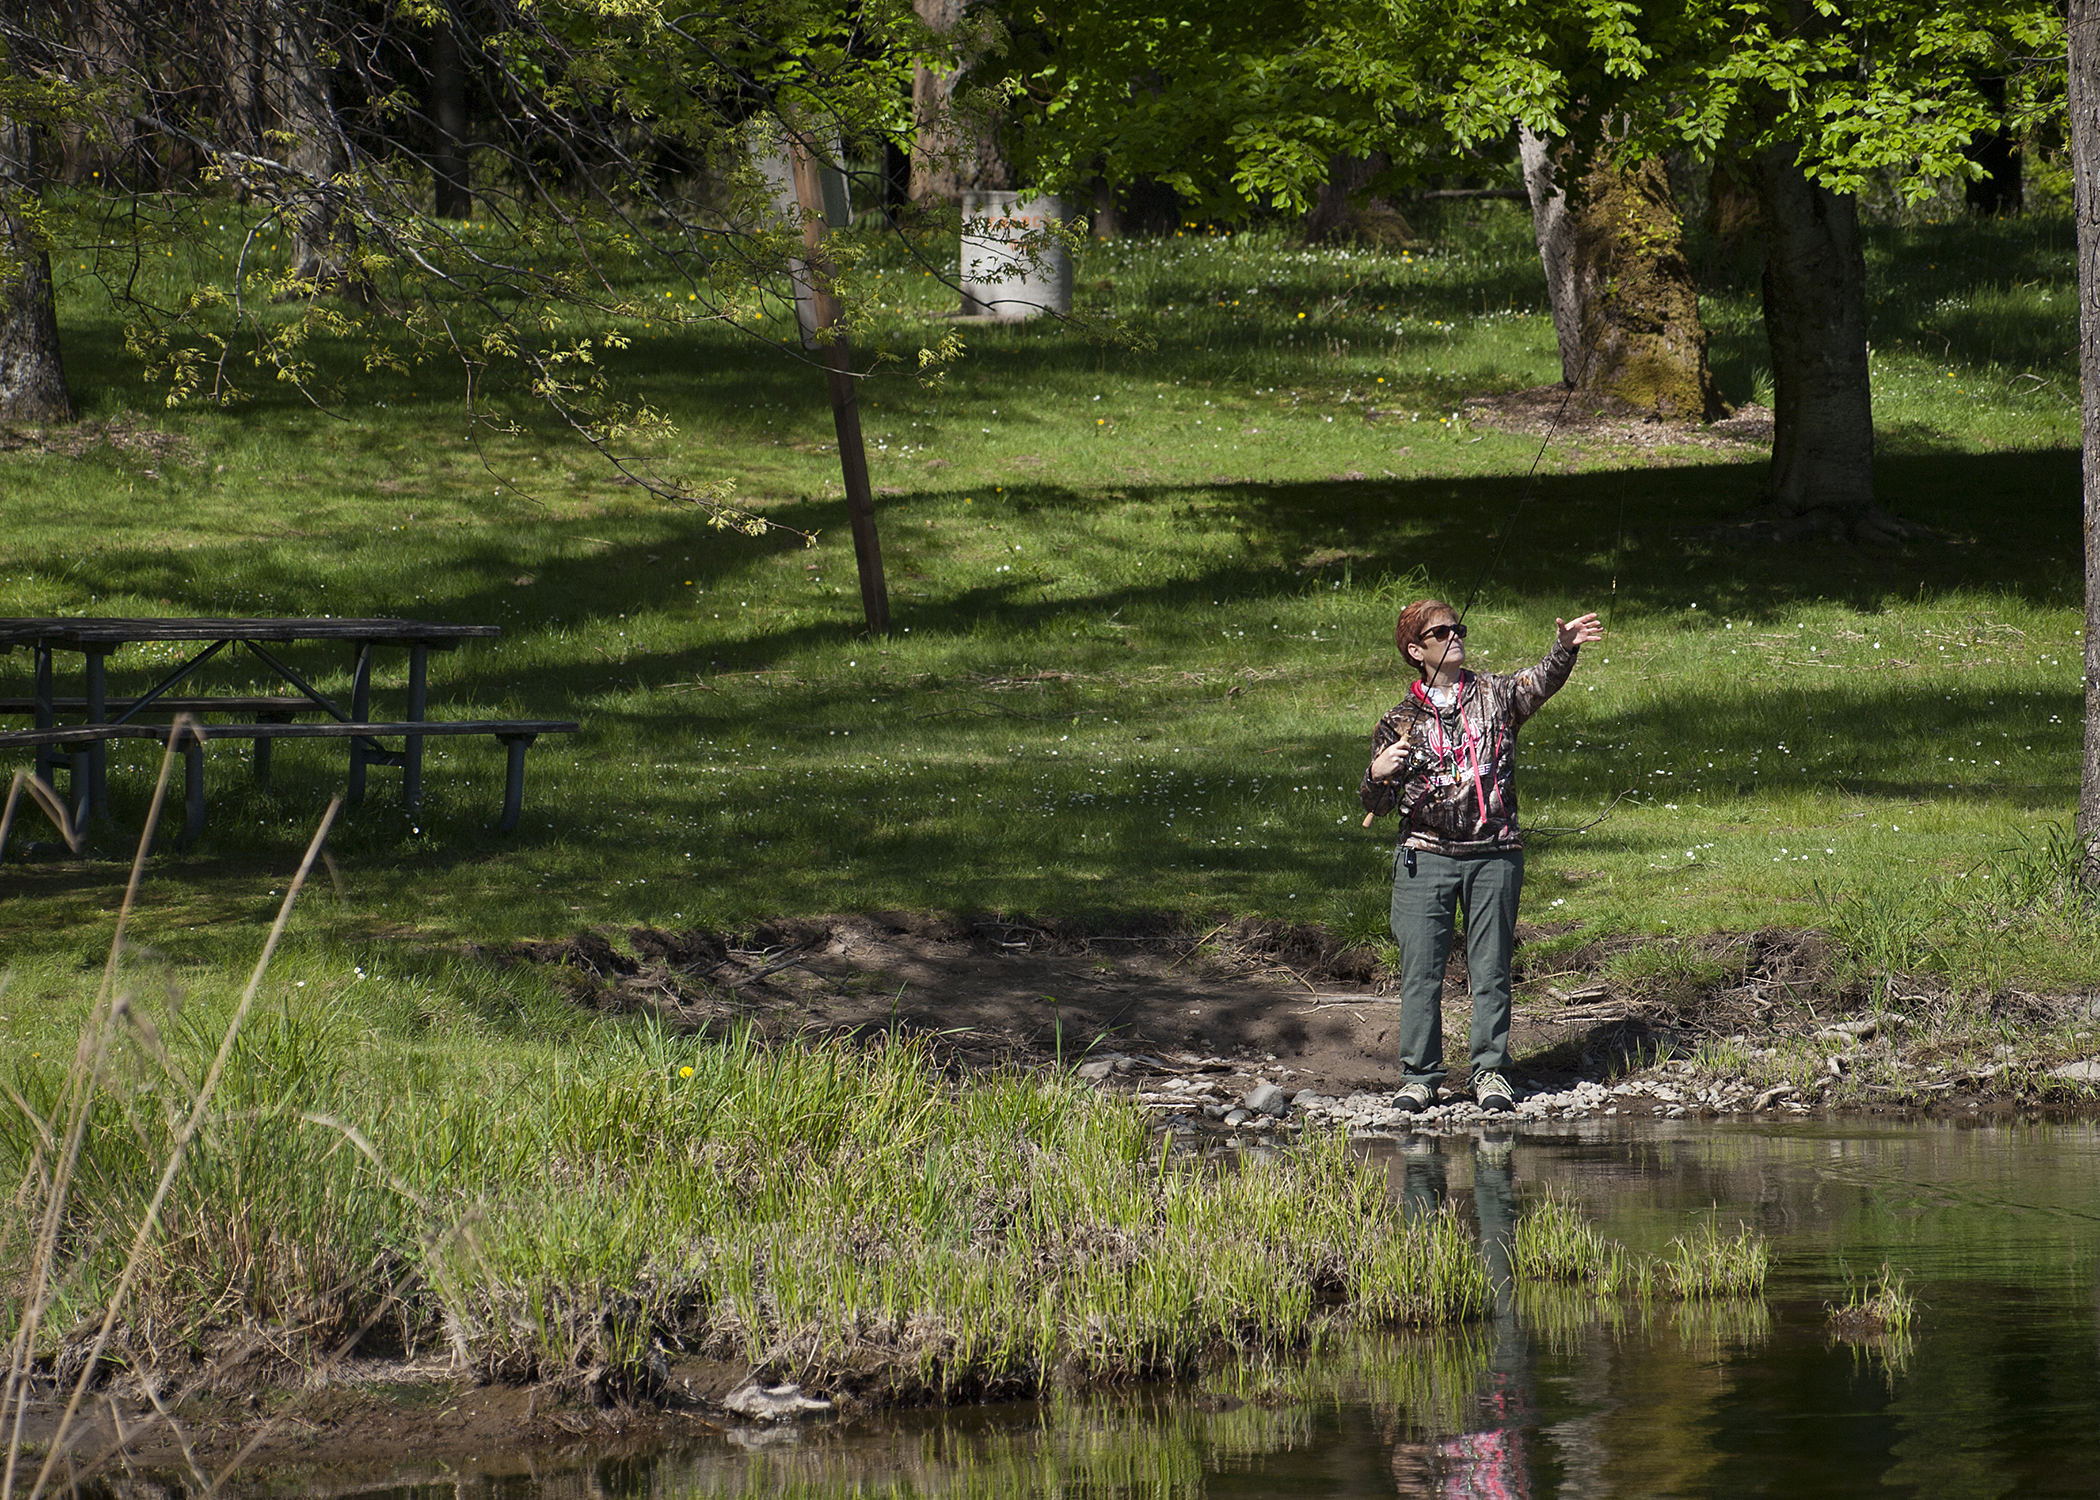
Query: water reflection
[
  {"x": 1486, "y": 1457},
  {"x": 1559, "y": 1393}
]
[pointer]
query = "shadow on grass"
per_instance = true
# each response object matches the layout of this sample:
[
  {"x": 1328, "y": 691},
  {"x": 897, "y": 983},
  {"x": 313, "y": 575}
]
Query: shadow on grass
[
  {"x": 876, "y": 827},
  {"x": 864, "y": 836},
  {"x": 1643, "y": 540}
]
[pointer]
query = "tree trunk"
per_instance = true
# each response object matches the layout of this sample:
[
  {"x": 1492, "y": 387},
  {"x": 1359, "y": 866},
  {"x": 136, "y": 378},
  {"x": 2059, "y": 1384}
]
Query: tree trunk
[
  {"x": 1107, "y": 221},
  {"x": 302, "y": 103},
  {"x": 1625, "y": 308},
  {"x": 1338, "y": 215},
  {"x": 1999, "y": 190},
  {"x": 838, "y": 374},
  {"x": 2085, "y": 189},
  {"x": 1815, "y": 295},
  {"x": 953, "y": 151},
  {"x": 454, "y": 196},
  {"x": 1641, "y": 337},
  {"x": 1555, "y": 234},
  {"x": 32, "y": 375}
]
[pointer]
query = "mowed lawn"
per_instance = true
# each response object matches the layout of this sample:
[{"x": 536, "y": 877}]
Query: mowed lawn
[{"x": 1143, "y": 572}]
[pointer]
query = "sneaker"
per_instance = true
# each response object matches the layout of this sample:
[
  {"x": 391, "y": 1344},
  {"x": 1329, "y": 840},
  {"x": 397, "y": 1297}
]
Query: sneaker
[
  {"x": 1491, "y": 1091},
  {"x": 1413, "y": 1098}
]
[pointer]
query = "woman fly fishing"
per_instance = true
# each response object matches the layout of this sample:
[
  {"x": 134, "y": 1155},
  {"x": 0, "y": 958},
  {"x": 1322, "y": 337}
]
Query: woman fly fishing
[{"x": 1445, "y": 757}]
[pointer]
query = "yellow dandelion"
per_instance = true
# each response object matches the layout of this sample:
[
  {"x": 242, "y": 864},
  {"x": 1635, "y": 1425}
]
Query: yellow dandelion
[{"x": 686, "y": 1071}]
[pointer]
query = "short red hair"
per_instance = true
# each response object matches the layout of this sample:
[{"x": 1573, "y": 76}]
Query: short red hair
[{"x": 1414, "y": 621}]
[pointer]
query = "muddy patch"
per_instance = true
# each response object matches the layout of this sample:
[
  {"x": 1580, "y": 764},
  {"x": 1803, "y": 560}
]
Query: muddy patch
[
  {"x": 999, "y": 992},
  {"x": 1554, "y": 411},
  {"x": 1190, "y": 1015}
]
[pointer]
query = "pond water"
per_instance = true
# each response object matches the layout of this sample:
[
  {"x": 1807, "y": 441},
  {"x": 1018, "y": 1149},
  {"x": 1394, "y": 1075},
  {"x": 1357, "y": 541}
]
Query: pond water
[{"x": 1996, "y": 1227}]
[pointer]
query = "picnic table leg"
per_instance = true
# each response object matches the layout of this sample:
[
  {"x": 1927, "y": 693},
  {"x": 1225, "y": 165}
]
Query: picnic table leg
[
  {"x": 83, "y": 781},
  {"x": 192, "y": 792},
  {"x": 262, "y": 750},
  {"x": 360, "y": 712},
  {"x": 98, "y": 713},
  {"x": 418, "y": 696},
  {"x": 46, "y": 716},
  {"x": 514, "y": 779}
]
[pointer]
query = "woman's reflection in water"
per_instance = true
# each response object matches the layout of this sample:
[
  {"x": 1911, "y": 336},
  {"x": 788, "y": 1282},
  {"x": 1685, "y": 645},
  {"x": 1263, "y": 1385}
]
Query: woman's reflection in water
[{"x": 1487, "y": 1461}]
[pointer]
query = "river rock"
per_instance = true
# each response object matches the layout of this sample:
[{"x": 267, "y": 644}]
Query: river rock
[
  {"x": 1265, "y": 1099},
  {"x": 1308, "y": 1099},
  {"x": 1848, "y": 1031},
  {"x": 2086, "y": 1071},
  {"x": 1237, "y": 1117},
  {"x": 1098, "y": 1069},
  {"x": 772, "y": 1403}
]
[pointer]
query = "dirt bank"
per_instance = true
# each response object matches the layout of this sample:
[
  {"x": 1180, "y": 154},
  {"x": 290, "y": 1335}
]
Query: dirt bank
[
  {"x": 1193, "y": 1016},
  {"x": 370, "y": 1423}
]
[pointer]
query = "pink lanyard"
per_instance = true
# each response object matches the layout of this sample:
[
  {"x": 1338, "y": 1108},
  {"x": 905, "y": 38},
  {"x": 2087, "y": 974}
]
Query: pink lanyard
[{"x": 1444, "y": 746}]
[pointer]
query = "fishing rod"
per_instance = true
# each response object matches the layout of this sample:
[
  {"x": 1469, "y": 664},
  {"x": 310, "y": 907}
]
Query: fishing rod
[{"x": 1510, "y": 523}]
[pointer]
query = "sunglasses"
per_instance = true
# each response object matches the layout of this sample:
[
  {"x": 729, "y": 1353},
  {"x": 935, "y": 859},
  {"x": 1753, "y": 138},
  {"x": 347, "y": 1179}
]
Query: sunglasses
[{"x": 1444, "y": 632}]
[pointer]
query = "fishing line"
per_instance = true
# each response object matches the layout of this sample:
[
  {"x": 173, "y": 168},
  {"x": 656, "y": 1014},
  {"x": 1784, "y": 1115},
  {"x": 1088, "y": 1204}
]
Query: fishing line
[
  {"x": 1509, "y": 526},
  {"x": 1502, "y": 541},
  {"x": 1611, "y": 608},
  {"x": 1547, "y": 835}
]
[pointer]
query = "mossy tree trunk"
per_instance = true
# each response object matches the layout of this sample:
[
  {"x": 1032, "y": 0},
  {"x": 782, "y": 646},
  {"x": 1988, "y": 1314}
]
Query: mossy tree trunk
[
  {"x": 32, "y": 374},
  {"x": 1625, "y": 307},
  {"x": 1639, "y": 306},
  {"x": 2085, "y": 187}
]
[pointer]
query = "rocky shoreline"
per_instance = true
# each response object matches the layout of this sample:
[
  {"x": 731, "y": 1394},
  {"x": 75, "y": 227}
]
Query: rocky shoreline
[
  {"x": 1227, "y": 1098},
  {"x": 1773, "y": 1023}
]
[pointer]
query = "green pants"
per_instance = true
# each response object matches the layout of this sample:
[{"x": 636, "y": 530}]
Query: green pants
[{"x": 1484, "y": 887}]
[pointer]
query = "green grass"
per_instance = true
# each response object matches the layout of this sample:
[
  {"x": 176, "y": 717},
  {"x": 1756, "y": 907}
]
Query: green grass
[
  {"x": 1143, "y": 622},
  {"x": 1879, "y": 1304},
  {"x": 1554, "y": 1243},
  {"x": 840, "y": 1215},
  {"x": 1706, "y": 1265}
]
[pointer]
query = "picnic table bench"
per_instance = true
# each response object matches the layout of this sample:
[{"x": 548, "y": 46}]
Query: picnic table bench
[{"x": 79, "y": 729}]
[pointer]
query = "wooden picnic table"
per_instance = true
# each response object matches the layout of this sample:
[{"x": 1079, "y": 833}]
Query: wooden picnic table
[{"x": 96, "y": 718}]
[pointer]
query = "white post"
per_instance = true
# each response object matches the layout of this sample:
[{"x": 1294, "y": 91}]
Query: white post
[{"x": 1011, "y": 268}]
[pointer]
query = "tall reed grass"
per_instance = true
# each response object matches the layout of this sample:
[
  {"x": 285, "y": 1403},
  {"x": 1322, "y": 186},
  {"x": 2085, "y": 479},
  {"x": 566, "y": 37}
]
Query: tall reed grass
[
  {"x": 1553, "y": 1242},
  {"x": 826, "y": 1212},
  {"x": 1879, "y": 1304},
  {"x": 213, "y": 1174}
]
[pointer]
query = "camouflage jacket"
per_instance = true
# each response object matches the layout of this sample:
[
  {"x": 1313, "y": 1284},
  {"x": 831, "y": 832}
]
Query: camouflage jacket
[{"x": 1457, "y": 789}]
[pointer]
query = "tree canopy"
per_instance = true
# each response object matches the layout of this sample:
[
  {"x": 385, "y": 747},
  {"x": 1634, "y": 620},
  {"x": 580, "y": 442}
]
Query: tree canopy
[
  {"x": 1243, "y": 104},
  {"x": 618, "y": 172}
]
